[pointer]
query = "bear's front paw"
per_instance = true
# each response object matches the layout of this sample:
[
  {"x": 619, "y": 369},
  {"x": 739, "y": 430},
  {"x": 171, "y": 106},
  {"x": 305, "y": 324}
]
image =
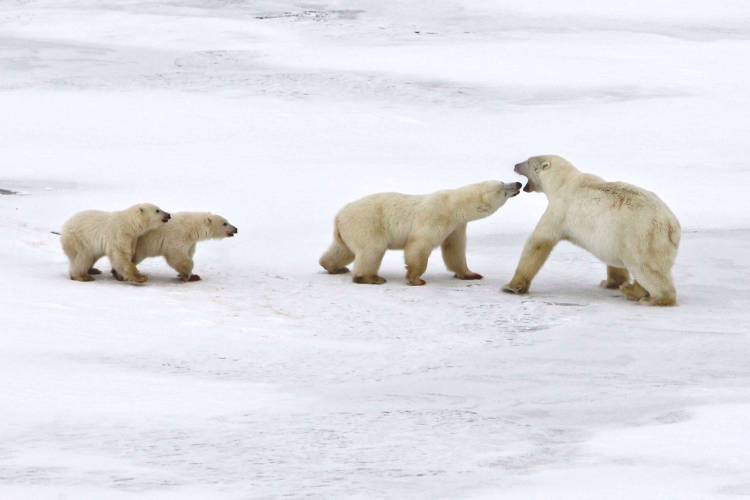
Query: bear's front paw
[
  {"x": 469, "y": 276},
  {"x": 518, "y": 289},
  {"x": 139, "y": 278},
  {"x": 194, "y": 277},
  {"x": 416, "y": 282}
]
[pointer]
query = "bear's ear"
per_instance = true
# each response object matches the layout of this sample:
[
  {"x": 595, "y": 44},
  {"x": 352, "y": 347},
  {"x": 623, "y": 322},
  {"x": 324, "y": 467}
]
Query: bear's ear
[
  {"x": 141, "y": 209},
  {"x": 545, "y": 165},
  {"x": 208, "y": 219}
]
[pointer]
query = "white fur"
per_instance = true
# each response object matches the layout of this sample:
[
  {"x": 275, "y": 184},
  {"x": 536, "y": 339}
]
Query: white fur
[
  {"x": 625, "y": 226},
  {"x": 92, "y": 234},
  {"x": 176, "y": 241},
  {"x": 417, "y": 224}
]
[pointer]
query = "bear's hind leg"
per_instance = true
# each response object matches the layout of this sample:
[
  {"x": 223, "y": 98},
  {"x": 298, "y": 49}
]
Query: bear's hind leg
[
  {"x": 80, "y": 265},
  {"x": 366, "y": 266},
  {"x": 616, "y": 276},
  {"x": 336, "y": 258}
]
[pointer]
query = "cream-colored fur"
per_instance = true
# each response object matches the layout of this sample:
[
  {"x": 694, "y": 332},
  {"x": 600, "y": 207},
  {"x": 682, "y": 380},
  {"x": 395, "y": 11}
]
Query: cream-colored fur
[
  {"x": 92, "y": 234},
  {"x": 417, "y": 224},
  {"x": 628, "y": 228},
  {"x": 176, "y": 241}
]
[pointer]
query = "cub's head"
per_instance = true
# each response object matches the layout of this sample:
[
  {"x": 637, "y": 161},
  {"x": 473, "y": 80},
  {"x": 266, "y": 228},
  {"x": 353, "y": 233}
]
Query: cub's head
[
  {"x": 492, "y": 195},
  {"x": 218, "y": 227},
  {"x": 150, "y": 216},
  {"x": 543, "y": 172}
]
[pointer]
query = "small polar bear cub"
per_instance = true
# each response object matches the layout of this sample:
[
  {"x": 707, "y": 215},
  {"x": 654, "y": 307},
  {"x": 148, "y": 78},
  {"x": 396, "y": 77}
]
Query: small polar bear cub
[
  {"x": 176, "y": 241},
  {"x": 92, "y": 234},
  {"x": 628, "y": 228},
  {"x": 417, "y": 224}
]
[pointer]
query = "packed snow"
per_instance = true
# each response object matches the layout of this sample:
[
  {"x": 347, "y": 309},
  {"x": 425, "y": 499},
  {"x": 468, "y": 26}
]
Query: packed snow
[{"x": 270, "y": 378}]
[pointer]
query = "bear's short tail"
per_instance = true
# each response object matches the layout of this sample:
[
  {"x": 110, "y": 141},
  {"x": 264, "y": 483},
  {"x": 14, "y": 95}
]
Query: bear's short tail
[{"x": 338, "y": 255}]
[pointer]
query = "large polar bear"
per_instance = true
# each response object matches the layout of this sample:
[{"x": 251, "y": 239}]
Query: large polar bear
[
  {"x": 628, "y": 228},
  {"x": 92, "y": 234},
  {"x": 366, "y": 228},
  {"x": 176, "y": 241}
]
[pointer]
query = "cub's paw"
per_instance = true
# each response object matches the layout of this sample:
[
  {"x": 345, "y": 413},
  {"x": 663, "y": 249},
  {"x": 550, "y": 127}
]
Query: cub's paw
[
  {"x": 368, "y": 280},
  {"x": 517, "y": 289},
  {"x": 469, "y": 276},
  {"x": 341, "y": 270}
]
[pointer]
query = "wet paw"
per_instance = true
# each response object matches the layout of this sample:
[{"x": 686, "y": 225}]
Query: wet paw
[
  {"x": 368, "y": 280},
  {"x": 515, "y": 289},
  {"x": 469, "y": 276}
]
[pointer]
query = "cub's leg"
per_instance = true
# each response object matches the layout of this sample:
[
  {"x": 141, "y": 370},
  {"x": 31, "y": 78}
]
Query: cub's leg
[
  {"x": 366, "y": 266},
  {"x": 183, "y": 264},
  {"x": 454, "y": 254},
  {"x": 122, "y": 264},
  {"x": 616, "y": 276},
  {"x": 416, "y": 256},
  {"x": 80, "y": 265}
]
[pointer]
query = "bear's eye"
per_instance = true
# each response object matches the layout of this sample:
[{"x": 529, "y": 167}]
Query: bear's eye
[
  {"x": 158, "y": 211},
  {"x": 225, "y": 224}
]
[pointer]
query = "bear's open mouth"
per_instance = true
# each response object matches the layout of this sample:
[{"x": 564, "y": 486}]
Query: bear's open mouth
[{"x": 529, "y": 187}]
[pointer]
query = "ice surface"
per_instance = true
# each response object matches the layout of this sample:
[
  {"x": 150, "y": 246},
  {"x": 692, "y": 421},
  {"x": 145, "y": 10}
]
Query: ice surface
[{"x": 270, "y": 378}]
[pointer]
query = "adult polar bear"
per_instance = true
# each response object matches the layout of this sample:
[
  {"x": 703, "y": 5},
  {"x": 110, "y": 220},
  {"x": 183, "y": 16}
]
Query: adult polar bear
[
  {"x": 627, "y": 227},
  {"x": 366, "y": 228}
]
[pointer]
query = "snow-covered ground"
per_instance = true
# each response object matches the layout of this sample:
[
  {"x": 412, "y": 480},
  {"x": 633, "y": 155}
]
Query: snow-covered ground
[{"x": 270, "y": 378}]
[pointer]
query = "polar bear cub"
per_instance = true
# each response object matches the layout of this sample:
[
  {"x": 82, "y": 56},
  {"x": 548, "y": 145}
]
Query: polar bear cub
[
  {"x": 92, "y": 234},
  {"x": 176, "y": 241},
  {"x": 628, "y": 228},
  {"x": 365, "y": 229}
]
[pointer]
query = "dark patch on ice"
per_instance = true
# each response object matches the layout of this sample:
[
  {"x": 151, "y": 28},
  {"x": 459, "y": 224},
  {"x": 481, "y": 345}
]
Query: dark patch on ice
[{"x": 7, "y": 192}]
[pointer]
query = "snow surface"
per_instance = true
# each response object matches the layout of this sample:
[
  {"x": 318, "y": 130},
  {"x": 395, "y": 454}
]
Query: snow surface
[{"x": 272, "y": 379}]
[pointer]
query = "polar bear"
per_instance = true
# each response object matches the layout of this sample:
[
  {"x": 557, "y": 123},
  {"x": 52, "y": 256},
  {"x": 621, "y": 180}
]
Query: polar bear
[
  {"x": 176, "y": 241},
  {"x": 92, "y": 234},
  {"x": 366, "y": 228},
  {"x": 628, "y": 228}
]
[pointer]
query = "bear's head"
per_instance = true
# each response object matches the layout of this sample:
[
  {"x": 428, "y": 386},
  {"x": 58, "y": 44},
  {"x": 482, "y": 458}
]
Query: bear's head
[
  {"x": 149, "y": 216},
  {"x": 218, "y": 227},
  {"x": 492, "y": 196},
  {"x": 544, "y": 173}
]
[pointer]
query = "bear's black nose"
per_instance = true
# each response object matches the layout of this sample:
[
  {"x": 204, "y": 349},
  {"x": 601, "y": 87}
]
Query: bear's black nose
[
  {"x": 166, "y": 217},
  {"x": 518, "y": 185}
]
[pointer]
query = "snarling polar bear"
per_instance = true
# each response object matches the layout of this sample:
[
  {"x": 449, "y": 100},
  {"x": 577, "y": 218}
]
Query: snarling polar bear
[
  {"x": 417, "y": 224},
  {"x": 628, "y": 228},
  {"x": 176, "y": 241},
  {"x": 92, "y": 234}
]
